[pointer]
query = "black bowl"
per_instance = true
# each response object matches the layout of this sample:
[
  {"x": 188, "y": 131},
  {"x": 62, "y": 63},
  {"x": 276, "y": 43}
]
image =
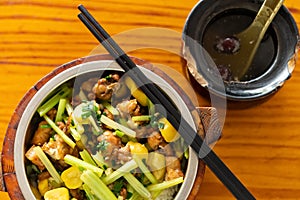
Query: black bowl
[{"x": 273, "y": 63}]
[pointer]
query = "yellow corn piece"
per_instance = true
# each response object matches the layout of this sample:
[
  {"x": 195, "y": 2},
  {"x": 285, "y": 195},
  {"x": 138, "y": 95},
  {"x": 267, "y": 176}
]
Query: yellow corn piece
[
  {"x": 71, "y": 177},
  {"x": 61, "y": 193},
  {"x": 138, "y": 149},
  {"x": 136, "y": 93},
  {"x": 168, "y": 132},
  {"x": 43, "y": 186}
]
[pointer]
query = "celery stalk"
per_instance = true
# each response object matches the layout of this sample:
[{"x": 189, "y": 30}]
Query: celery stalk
[
  {"x": 60, "y": 110},
  {"x": 97, "y": 186},
  {"x": 135, "y": 196},
  {"x": 49, "y": 166},
  {"x": 78, "y": 126},
  {"x": 145, "y": 170},
  {"x": 62, "y": 93},
  {"x": 137, "y": 185},
  {"x": 71, "y": 160},
  {"x": 75, "y": 134},
  {"x": 127, "y": 167},
  {"x": 99, "y": 160},
  {"x": 141, "y": 118},
  {"x": 117, "y": 126},
  {"x": 165, "y": 184},
  {"x": 85, "y": 155},
  {"x": 60, "y": 132},
  {"x": 89, "y": 193},
  {"x": 110, "y": 108}
]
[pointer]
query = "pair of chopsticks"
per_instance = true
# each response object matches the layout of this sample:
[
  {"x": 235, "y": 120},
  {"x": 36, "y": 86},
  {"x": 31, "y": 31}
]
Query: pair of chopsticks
[{"x": 157, "y": 97}]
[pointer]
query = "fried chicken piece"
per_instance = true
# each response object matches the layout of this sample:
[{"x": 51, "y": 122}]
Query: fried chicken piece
[
  {"x": 173, "y": 168},
  {"x": 42, "y": 134},
  {"x": 154, "y": 140},
  {"x": 57, "y": 148},
  {"x": 32, "y": 156}
]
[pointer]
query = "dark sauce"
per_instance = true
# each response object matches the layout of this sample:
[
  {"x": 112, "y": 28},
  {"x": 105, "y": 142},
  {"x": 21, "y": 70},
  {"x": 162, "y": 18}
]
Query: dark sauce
[{"x": 219, "y": 38}]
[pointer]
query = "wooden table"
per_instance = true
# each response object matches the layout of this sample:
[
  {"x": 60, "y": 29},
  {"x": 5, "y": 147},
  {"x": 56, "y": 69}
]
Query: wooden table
[{"x": 261, "y": 143}]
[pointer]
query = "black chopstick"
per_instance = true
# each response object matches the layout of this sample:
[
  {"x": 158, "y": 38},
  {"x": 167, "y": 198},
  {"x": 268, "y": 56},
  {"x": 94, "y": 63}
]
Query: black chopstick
[{"x": 172, "y": 114}]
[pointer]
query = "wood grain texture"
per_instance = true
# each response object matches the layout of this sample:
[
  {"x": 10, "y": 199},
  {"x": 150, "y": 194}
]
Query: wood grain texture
[{"x": 261, "y": 143}]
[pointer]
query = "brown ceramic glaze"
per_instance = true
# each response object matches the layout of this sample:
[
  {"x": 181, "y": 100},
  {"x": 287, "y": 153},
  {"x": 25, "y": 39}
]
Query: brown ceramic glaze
[{"x": 204, "y": 117}]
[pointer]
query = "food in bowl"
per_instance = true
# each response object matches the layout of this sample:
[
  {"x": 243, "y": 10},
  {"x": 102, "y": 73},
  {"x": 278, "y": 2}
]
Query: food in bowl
[{"x": 83, "y": 145}]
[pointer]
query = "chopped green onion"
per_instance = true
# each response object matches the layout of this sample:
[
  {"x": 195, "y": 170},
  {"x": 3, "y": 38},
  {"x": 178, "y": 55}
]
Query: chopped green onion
[
  {"x": 60, "y": 110},
  {"x": 164, "y": 185},
  {"x": 161, "y": 125},
  {"x": 105, "y": 120},
  {"x": 60, "y": 132},
  {"x": 127, "y": 167},
  {"x": 141, "y": 118},
  {"x": 45, "y": 126},
  {"x": 137, "y": 185},
  {"x": 49, "y": 166},
  {"x": 62, "y": 93},
  {"x": 85, "y": 155},
  {"x": 97, "y": 186},
  {"x": 119, "y": 133},
  {"x": 144, "y": 169},
  {"x": 110, "y": 108},
  {"x": 71, "y": 160}
]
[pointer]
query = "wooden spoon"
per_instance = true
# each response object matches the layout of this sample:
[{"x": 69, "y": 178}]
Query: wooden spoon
[{"x": 242, "y": 47}]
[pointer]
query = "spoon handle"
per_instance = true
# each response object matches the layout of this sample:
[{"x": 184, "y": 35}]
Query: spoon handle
[
  {"x": 263, "y": 19},
  {"x": 252, "y": 36}
]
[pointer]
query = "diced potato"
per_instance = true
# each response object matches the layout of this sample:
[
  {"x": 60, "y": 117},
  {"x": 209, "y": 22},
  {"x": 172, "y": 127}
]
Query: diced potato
[
  {"x": 61, "y": 193},
  {"x": 71, "y": 177},
  {"x": 157, "y": 164},
  {"x": 138, "y": 149},
  {"x": 168, "y": 132},
  {"x": 136, "y": 93},
  {"x": 43, "y": 186}
]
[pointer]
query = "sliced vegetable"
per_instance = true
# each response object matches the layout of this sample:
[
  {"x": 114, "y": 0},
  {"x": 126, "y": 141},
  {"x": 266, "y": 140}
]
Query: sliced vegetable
[
  {"x": 157, "y": 164},
  {"x": 43, "y": 186},
  {"x": 75, "y": 134},
  {"x": 164, "y": 185},
  {"x": 107, "y": 121},
  {"x": 137, "y": 185},
  {"x": 62, "y": 93},
  {"x": 127, "y": 167},
  {"x": 47, "y": 163},
  {"x": 144, "y": 169},
  {"x": 110, "y": 108},
  {"x": 60, "y": 110},
  {"x": 136, "y": 92},
  {"x": 71, "y": 177},
  {"x": 168, "y": 132},
  {"x": 89, "y": 193},
  {"x": 58, "y": 193},
  {"x": 141, "y": 118},
  {"x": 60, "y": 132},
  {"x": 85, "y": 155},
  {"x": 71, "y": 160},
  {"x": 70, "y": 111},
  {"x": 98, "y": 158},
  {"x": 97, "y": 186},
  {"x": 138, "y": 149}
]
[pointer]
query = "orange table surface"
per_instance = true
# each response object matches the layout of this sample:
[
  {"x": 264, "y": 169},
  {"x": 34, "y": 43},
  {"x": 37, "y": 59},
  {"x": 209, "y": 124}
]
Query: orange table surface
[{"x": 261, "y": 143}]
